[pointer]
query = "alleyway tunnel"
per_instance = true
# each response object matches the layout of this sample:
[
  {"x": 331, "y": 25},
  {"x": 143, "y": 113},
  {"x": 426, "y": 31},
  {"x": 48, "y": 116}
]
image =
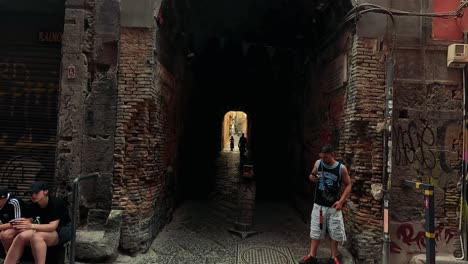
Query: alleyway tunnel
[{"x": 256, "y": 57}]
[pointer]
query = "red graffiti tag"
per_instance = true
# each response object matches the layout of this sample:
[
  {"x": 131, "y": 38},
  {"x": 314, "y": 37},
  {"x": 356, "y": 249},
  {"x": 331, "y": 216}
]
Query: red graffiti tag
[{"x": 407, "y": 235}]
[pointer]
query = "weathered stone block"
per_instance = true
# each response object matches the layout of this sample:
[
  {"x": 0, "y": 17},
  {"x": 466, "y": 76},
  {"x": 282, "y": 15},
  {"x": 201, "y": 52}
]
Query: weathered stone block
[
  {"x": 97, "y": 219},
  {"x": 99, "y": 155},
  {"x": 100, "y": 246},
  {"x": 103, "y": 91},
  {"x": 73, "y": 31},
  {"x": 74, "y": 3},
  {"x": 100, "y": 120},
  {"x": 138, "y": 16}
]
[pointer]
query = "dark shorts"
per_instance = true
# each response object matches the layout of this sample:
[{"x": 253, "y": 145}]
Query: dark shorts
[{"x": 64, "y": 233}]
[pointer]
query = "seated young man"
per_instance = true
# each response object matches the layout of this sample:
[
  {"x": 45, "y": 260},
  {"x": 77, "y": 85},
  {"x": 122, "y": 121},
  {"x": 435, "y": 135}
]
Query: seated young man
[
  {"x": 48, "y": 224},
  {"x": 10, "y": 208}
]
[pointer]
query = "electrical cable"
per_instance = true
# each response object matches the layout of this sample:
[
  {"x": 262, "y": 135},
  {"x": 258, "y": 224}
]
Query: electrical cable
[{"x": 356, "y": 13}]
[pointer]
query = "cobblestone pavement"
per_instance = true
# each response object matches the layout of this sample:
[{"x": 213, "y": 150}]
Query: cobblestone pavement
[{"x": 199, "y": 232}]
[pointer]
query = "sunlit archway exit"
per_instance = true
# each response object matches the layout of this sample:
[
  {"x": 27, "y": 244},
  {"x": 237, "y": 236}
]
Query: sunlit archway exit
[{"x": 235, "y": 123}]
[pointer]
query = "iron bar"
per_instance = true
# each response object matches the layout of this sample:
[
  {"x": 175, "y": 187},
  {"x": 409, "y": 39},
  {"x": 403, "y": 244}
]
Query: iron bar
[{"x": 76, "y": 202}]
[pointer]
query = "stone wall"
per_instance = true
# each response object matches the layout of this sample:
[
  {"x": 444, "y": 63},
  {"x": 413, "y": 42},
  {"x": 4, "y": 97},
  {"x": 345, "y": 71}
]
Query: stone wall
[
  {"x": 87, "y": 101},
  {"x": 71, "y": 98},
  {"x": 143, "y": 148},
  {"x": 427, "y": 147}
]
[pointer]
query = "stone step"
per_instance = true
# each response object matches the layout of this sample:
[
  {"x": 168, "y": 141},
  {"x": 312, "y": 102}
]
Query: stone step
[{"x": 442, "y": 259}]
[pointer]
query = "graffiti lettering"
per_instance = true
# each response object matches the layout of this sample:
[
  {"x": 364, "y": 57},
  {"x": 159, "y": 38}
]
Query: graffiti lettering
[
  {"x": 441, "y": 141},
  {"x": 406, "y": 234},
  {"x": 18, "y": 172},
  {"x": 28, "y": 110},
  {"x": 414, "y": 145},
  {"x": 53, "y": 37}
]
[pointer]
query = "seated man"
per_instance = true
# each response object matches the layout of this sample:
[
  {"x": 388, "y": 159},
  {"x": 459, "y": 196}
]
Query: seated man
[
  {"x": 10, "y": 208},
  {"x": 48, "y": 224}
]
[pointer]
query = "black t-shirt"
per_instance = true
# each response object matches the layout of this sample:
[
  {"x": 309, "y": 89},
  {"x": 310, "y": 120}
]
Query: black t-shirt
[
  {"x": 13, "y": 208},
  {"x": 56, "y": 209}
]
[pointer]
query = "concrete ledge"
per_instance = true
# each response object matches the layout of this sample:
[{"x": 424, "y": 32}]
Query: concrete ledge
[{"x": 421, "y": 259}]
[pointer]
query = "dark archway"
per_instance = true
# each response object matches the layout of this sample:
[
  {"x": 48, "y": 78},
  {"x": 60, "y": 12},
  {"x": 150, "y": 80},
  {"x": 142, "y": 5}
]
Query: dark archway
[{"x": 253, "y": 56}]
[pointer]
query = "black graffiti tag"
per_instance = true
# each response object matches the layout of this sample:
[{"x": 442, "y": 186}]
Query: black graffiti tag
[
  {"x": 442, "y": 136},
  {"x": 414, "y": 145}
]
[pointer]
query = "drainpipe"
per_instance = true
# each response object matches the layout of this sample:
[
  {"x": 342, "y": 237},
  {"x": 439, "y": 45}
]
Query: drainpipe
[
  {"x": 387, "y": 154},
  {"x": 463, "y": 224}
]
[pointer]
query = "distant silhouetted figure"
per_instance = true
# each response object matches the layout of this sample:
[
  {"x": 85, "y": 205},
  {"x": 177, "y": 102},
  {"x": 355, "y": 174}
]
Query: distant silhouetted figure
[
  {"x": 232, "y": 143},
  {"x": 242, "y": 145}
]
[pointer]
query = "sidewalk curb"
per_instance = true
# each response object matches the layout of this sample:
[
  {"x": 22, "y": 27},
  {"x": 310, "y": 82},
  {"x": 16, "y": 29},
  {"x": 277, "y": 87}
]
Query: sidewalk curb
[{"x": 421, "y": 259}]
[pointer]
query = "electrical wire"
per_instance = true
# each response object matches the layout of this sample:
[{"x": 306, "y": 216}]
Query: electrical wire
[
  {"x": 353, "y": 16},
  {"x": 357, "y": 11}
]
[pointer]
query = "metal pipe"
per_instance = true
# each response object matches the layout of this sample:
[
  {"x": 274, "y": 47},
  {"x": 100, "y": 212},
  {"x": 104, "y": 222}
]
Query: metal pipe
[
  {"x": 387, "y": 132},
  {"x": 462, "y": 228},
  {"x": 76, "y": 202}
]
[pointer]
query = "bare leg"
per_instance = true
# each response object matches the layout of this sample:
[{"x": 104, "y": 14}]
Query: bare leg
[
  {"x": 334, "y": 248},
  {"x": 39, "y": 249},
  {"x": 314, "y": 244},
  {"x": 17, "y": 247},
  {"x": 7, "y": 237},
  {"x": 39, "y": 243}
]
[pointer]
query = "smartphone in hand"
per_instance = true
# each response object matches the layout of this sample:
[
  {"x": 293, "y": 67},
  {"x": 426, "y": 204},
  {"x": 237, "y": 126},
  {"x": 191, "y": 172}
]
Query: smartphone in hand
[
  {"x": 313, "y": 177},
  {"x": 12, "y": 221}
]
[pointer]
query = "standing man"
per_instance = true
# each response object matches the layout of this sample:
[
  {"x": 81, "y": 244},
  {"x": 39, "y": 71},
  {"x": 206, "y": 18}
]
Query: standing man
[
  {"x": 242, "y": 145},
  {"x": 327, "y": 217},
  {"x": 10, "y": 208}
]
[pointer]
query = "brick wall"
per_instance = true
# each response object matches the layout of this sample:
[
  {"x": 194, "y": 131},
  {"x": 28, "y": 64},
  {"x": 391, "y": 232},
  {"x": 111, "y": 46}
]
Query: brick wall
[
  {"x": 143, "y": 147},
  {"x": 362, "y": 148},
  {"x": 348, "y": 114}
]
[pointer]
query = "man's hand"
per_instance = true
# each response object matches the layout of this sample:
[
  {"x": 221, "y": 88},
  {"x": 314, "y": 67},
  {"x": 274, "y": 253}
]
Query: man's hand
[
  {"x": 338, "y": 205},
  {"x": 313, "y": 177},
  {"x": 21, "y": 225}
]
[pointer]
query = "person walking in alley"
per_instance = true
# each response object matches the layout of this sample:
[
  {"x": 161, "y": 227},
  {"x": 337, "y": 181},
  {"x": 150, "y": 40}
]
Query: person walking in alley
[
  {"x": 326, "y": 217},
  {"x": 47, "y": 224},
  {"x": 11, "y": 208},
  {"x": 242, "y": 145},
  {"x": 231, "y": 144}
]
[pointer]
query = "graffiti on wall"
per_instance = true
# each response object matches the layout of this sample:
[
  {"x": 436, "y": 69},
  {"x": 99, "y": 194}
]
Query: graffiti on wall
[
  {"x": 28, "y": 113},
  {"x": 407, "y": 235},
  {"x": 409, "y": 239},
  {"x": 415, "y": 144},
  {"x": 424, "y": 146},
  {"x": 21, "y": 171}
]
